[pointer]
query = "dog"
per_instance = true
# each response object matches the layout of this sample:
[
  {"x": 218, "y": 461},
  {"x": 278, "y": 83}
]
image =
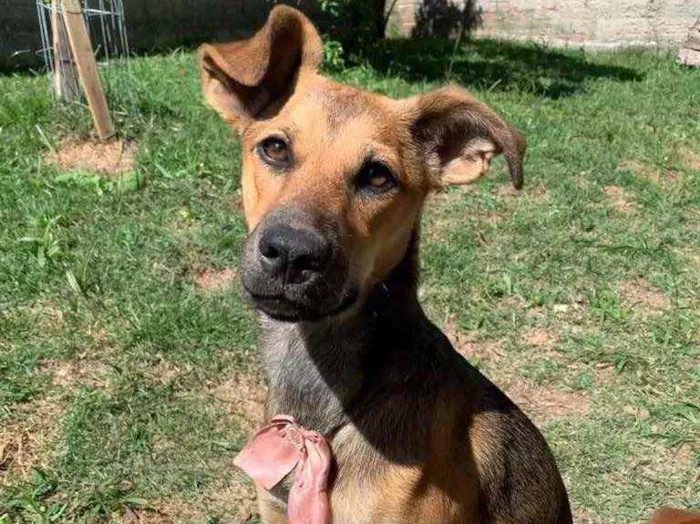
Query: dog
[{"x": 373, "y": 417}]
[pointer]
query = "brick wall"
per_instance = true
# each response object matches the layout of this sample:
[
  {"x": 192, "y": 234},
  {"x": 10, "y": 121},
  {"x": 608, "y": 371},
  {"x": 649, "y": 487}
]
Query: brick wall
[{"x": 590, "y": 23}]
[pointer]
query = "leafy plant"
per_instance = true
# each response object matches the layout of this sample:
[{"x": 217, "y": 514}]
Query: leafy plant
[
  {"x": 46, "y": 245},
  {"x": 333, "y": 54}
]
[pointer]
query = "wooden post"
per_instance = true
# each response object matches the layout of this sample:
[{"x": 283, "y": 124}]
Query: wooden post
[
  {"x": 87, "y": 67},
  {"x": 65, "y": 76}
]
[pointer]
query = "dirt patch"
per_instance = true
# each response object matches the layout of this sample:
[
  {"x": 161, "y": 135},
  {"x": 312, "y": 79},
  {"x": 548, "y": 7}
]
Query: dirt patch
[
  {"x": 71, "y": 374},
  {"x": 215, "y": 279},
  {"x": 236, "y": 498},
  {"x": 539, "y": 337},
  {"x": 46, "y": 316},
  {"x": 636, "y": 412},
  {"x": 113, "y": 157},
  {"x": 619, "y": 199},
  {"x": 49, "y": 316},
  {"x": 99, "y": 336},
  {"x": 585, "y": 516},
  {"x": 451, "y": 194},
  {"x": 682, "y": 455},
  {"x": 545, "y": 405},
  {"x": 435, "y": 228},
  {"x": 165, "y": 372},
  {"x": 640, "y": 296},
  {"x": 605, "y": 374},
  {"x": 543, "y": 340},
  {"x": 505, "y": 191},
  {"x": 244, "y": 394},
  {"x": 25, "y": 438},
  {"x": 539, "y": 193},
  {"x": 691, "y": 160},
  {"x": 650, "y": 173},
  {"x": 233, "y": 502},
  {"x": 492, "y": 219},
  {"x": 471, "y": 348}
]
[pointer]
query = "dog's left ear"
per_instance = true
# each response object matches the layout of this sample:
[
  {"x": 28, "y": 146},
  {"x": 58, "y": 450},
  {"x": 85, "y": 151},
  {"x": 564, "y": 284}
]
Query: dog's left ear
[
  {"x": 458, "y": 136},
  {"x": 245, "y": 80}
]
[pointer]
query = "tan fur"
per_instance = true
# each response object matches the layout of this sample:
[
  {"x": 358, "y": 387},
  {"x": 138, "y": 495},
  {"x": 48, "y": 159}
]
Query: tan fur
[
  {"x": 675, "y": 516},
  {"x": 271, "y": 512},
  {"x": 377, "y": 491}
]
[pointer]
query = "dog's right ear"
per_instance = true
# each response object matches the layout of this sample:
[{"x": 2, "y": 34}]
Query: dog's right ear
[{"x": 250, "y": 78}]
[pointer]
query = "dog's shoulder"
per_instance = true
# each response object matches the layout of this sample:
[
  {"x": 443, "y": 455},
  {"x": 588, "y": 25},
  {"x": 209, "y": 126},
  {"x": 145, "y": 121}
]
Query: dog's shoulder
[{"x": 515, "y": 468}]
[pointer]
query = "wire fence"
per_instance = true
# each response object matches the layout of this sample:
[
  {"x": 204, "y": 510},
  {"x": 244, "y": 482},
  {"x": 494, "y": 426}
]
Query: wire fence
[{"x": 106, "y": 26}]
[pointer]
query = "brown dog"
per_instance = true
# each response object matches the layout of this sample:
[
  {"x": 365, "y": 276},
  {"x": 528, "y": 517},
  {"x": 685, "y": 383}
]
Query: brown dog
[{"x": 334, "y": 181}]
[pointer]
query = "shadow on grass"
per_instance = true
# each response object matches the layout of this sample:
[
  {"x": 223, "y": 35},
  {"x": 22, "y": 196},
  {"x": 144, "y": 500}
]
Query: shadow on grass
[
  {"x": 480, "y": 63},
  {"x": 495, "y": 64}
]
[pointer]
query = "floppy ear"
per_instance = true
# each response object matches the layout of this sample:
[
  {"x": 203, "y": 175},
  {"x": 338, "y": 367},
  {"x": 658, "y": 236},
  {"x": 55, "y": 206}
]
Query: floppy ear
[
  {"x": 249, "y": 78},
  {"x": 458, "y": 136}
]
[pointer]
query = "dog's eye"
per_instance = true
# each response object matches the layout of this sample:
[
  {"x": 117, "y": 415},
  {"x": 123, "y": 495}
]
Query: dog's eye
[
  {"x": 375, "y": 177},
  {"x": 274, "y": 151}
]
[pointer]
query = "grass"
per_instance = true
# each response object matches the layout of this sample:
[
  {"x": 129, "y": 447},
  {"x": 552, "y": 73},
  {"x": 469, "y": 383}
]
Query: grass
[{"x": 125, "y": 378}]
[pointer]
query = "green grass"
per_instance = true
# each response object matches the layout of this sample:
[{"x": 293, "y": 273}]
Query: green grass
[{"x": 111, "y": 356}]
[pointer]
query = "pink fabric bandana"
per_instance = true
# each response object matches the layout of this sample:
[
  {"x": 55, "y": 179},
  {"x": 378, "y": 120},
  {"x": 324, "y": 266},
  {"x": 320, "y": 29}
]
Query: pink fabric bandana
[{"x": 275, "y": 451}]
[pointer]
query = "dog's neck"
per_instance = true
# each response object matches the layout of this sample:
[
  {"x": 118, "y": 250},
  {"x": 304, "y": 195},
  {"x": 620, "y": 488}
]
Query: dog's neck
[{"x": 317, "y": 371}]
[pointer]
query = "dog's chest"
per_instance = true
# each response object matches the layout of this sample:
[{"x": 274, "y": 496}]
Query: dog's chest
[
  {"x": 313, "y": 381},
  {"x": 358, "y": 490}
]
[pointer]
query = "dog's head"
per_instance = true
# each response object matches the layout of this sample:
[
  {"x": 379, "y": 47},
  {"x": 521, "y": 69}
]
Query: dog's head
[{"x": 334, "y": 177}]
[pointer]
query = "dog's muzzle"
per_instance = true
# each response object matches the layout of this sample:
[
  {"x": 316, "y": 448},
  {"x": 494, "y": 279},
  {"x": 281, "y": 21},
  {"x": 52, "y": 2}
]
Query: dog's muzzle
[{"x": 293, "y": 270}]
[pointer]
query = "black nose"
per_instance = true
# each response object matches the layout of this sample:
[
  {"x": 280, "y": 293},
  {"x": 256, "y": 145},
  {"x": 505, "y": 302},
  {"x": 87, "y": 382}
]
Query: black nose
[{"x": 292, "y": 253}]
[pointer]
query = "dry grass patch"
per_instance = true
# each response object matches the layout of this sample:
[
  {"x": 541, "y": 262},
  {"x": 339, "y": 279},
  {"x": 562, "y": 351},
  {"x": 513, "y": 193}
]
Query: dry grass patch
[
  {"x": 539, "y": 337},
  {"x": 493, "y": 219},
  {"x": 545, "y": 405},
  {"x": 650, "y": 173},
  {"x": 244, "y": 395},
  {"x": 655, "y": 461},
  {"x": 45, "y": 315},
  {"x": 435, "y": 228},
  {"x": 231, "y": 502},
  {"x": 213, "y": 280},
  {"x": 449, "y": 195},
  {"x": 505, "y": 191},
  {"x": 25, "y": 439},
  {"x": 471, "y": 348},
  {"x": 640, "y": 296},
  {"x": 76, "y": 373},
  {"x": 691, "y": 159},
  {"x": 619, "y": 199},
  {"x": 165, "y": 372},
  {"x": 585, "y": 516},
  {"x": 112, "y": 158},
  {"x": 683, "y": 454},
  {"x": 236, "y": 499},
  {"x": 439, "y": 218},
  {"x": 636, "y": 412},
  {"x": 605, "y": 374}
]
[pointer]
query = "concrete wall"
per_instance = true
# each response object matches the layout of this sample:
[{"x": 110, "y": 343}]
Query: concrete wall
[
  {"x": 592, "y": 23},
  {"x": 589, "y": 23}
]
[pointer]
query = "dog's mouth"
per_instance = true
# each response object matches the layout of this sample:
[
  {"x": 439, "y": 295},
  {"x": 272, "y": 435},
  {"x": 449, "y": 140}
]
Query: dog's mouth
[{"x": 280, "y": 307}]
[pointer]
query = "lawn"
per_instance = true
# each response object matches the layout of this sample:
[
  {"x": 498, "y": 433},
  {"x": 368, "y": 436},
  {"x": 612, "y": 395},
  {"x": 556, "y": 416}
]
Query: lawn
[{"x": 128, "y": 377}]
